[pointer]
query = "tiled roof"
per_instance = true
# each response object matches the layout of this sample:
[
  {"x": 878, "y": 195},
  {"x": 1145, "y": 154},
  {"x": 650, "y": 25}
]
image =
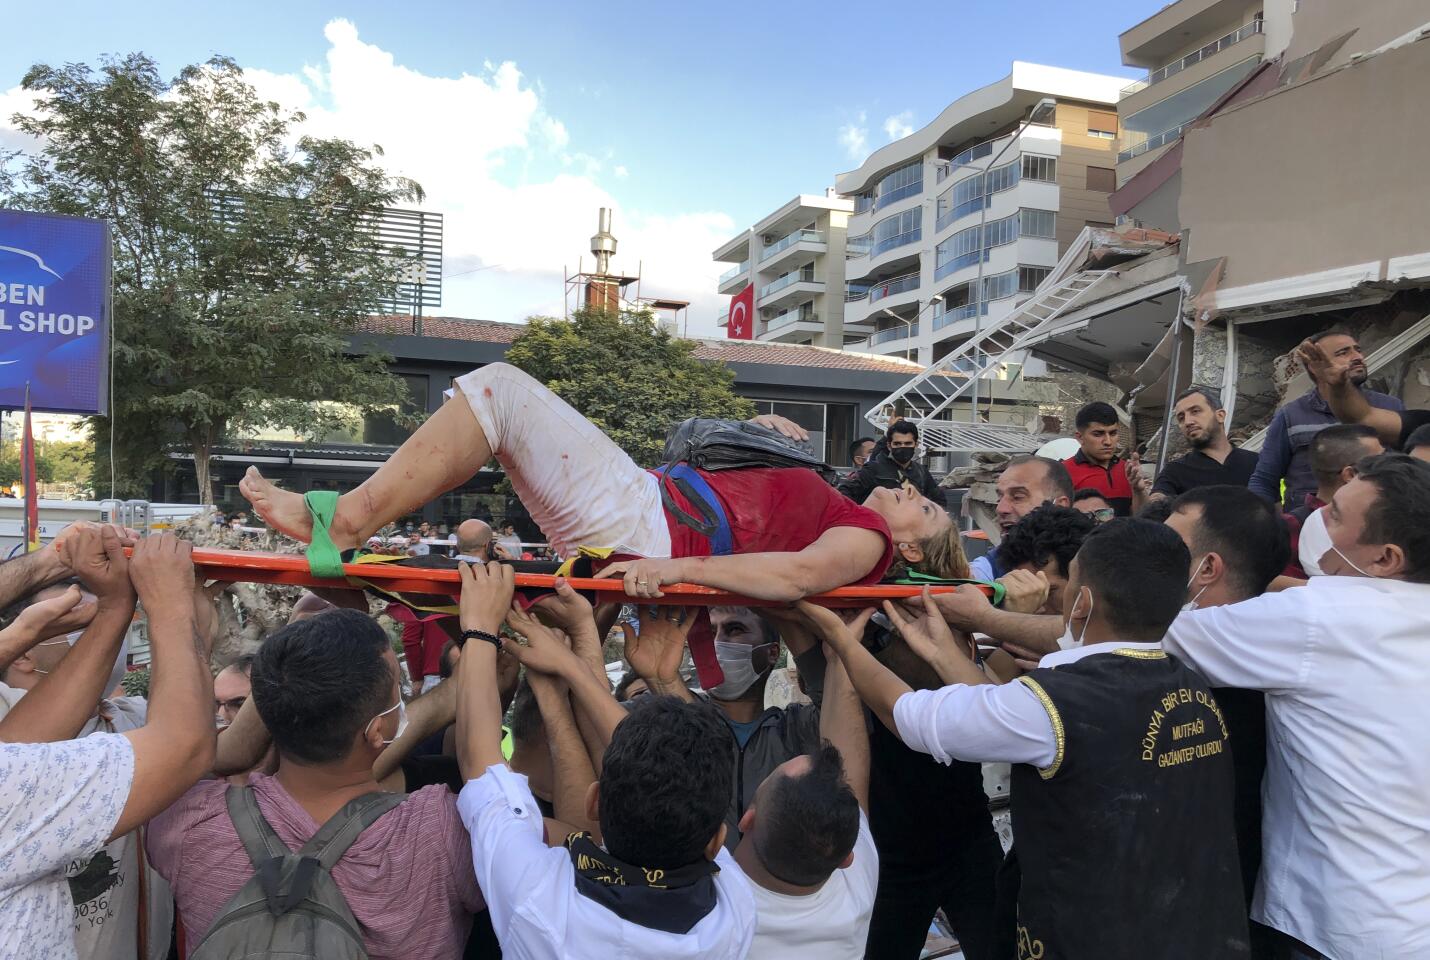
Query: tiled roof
[{"x": 726, "y": 351}]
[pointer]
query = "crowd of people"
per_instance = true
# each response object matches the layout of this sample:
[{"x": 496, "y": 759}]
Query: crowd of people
[{"x": 1210, "y": 698}]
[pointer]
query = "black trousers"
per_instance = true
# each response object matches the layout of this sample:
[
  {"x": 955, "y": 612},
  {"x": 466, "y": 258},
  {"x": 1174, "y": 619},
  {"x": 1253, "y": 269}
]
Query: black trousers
[{"x": 905, "y": 905}]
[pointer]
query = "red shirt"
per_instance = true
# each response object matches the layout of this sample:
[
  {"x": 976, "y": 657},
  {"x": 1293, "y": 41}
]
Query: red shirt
[
  {"x": 1110, "y": 481},
  {"x": 777, "y": 511}
]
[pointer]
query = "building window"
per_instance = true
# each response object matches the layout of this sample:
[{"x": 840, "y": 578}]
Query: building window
[
  {"x": 1102, "y": 126},
  {"x": 898, "y": 184},
  {"x": 1037, "y": 223},
  {"x": 895, "y": 231},
  {"x": 1040, "y": 168},
  {"x": 1103, "y": 179},
  {"x": 1030, "y": 277}
]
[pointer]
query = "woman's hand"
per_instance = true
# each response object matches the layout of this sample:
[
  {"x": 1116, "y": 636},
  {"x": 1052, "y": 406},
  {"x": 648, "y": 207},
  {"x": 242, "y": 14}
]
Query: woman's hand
[{"x": 643, "y": 578}]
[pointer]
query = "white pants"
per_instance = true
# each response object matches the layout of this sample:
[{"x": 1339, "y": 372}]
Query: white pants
[{"x": 577, "y": 484}]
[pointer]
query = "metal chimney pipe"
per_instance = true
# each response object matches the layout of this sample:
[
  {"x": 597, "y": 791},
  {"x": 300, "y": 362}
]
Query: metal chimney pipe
[{"x": 603, "y": 244}]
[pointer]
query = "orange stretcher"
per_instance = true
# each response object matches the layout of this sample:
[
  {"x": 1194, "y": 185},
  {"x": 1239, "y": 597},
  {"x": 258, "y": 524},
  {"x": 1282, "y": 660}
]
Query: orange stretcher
[{"x": 393, "y": 578}]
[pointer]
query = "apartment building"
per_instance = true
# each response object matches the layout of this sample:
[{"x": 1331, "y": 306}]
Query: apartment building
[
  {"x": 956, "y": 223},
  {"x": 795, "y": 259},
  {"x": 1194, "y": 51}
]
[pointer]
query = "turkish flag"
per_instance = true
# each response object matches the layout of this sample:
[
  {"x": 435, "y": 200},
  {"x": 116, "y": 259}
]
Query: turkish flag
[{"x": 741, "y": 325}]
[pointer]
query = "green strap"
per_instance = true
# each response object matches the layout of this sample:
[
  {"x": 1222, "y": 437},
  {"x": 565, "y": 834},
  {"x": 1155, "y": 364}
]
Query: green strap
[
  {"x": 324, "y": 558},
  {"x": 917, "y": 579}
]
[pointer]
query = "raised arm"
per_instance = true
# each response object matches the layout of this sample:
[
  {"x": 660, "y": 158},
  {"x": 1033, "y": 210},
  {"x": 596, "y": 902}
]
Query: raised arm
[
  {"x": 841, "y": 722},
  {"x": 544, "y": 652},
  {"x": 1346, "y": 400},
  {"x": 571, "y": 766},
  {"x": 930, "y": 637},
  {"x": 967, "y": 609},
  {"x": 176, "y": 744},
  {"x": 656, "y": 650},
  {"x": 486, "y": 594},
  {"x": 64, "y": 700},
  {"x": 43, "y": 619},
  {"x": 876, "y": 684},
  {"x": 430, "y": 713},
  {"x": 840, "y": 556}
]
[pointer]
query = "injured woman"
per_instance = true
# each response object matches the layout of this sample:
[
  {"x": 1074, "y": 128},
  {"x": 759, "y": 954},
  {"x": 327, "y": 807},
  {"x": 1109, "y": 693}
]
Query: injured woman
[{"x": 783, "y": 533}]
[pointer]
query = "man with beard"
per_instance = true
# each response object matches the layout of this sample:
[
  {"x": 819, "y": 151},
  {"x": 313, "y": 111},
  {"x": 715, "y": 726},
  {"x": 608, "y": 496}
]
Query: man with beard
[
  {"x": 1213, "y": 461},
  {"x": 1286, "y": 452}
]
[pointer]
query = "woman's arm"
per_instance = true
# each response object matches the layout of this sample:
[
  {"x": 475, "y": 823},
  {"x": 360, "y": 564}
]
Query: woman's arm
[{"x": 841, "y": 555}]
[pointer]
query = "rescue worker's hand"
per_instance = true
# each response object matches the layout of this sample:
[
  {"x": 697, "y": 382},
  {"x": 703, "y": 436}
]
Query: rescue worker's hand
[
  {"x": 1024, "y": 592},
  {"x": 781, "y": 425}
]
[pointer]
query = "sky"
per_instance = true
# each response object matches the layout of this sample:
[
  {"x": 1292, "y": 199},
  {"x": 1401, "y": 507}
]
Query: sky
[{"x": 690, "y": 120}]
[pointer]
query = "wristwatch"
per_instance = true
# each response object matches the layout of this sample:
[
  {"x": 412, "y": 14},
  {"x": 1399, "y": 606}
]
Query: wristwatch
[{"x": 491, "y": 638}]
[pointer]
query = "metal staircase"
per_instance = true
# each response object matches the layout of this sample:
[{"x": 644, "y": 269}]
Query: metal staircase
[{"x": 931, "y": 393}]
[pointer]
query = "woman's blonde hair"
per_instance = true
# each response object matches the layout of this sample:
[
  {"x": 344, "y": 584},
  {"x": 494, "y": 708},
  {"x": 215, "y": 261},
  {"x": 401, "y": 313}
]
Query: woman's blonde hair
[{"x": 943, "y": 557}]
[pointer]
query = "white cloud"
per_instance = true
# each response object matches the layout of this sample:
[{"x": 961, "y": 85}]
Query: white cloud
[
  {"x": 516, "y": 194},
  {"x": 900, "y": 125},
  {"x": 621, "y": 171},
  {"x": 854, "y": 137}
]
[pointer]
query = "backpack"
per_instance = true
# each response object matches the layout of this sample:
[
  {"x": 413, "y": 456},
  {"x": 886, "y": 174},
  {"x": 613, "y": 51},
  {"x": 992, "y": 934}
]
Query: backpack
[
  {"x": 290, "y": 907},
  {"x": 732, "y": 444}
]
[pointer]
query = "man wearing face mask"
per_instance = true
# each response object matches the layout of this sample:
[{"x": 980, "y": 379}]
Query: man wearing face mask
[
  {"x": 327, "y": 690},
  {"x": 747, "y": 645},
  {"x": 1344, "y": 665},
  {"x": 1122, "y": 783},
  {"x": 895, "y": 467},
  {"x": 1239, "y": 545}
]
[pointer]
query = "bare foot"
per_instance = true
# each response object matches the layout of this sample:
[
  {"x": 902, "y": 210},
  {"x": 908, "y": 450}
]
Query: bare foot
[{"x": 282, "y": 510}]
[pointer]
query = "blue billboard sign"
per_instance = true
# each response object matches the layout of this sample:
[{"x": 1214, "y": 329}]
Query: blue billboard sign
[{"x": 55, "y": 312}]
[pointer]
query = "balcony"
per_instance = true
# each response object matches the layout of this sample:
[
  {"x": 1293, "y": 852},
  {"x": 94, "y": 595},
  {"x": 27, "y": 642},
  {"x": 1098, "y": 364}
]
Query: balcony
[
  {"x": 799, "y": 236},
  {"x": 733, "y": 280},
  {"x": 1152, "y": 143},
  {"x": 947, "y": 318},
  {"x": 790, "y": 288},
  {"x": 899, "y": 193},
  {"x": 789, "y": 317},
  {"x": 724, "y": 319},
  {"x": 901, "y": 332},
  {"x": 1196, "y": 56},
  {"x": 889, "y": 288}
]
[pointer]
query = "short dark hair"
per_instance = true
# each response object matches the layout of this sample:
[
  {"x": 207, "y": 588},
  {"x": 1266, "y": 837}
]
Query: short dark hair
[
  {"x": 901, "y": 426},
  {"x": 665, "y": 782},
  {"x": 1055, "y": 476},
  {"x": 854, "y": 447},
  {"x": 318, "y": 682},
  {"x": 527, "y": 724},
  {"x": 1244, "y": 529},
  {"x": 1336, "y": 447},
  {"x": 1419, "y": 437},
  {"x": 806, "y": 825},
  {"x": 1157, "y": 510},
  {"x": 1088, "y": 493},
  {"x": 624, "y": 686},
  {"x": 1401, "y": 512},
  {"x": 1331, "y": 332},
  {"x": 1137, "y": 570},
  {"x": 1049, "y": 532},
  {"x": 1212, "y": 397},
  {"x": 1096, "y": 412}
]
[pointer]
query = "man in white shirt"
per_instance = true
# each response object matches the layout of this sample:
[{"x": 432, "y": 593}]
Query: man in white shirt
[
  {"x": 1122, "y": 785},
  {"x": 663, "y": 885},
  {"x": 805, "y": 842},
  {"x": 1345, "y": 665},
  {"x": 60, "y": 802}
]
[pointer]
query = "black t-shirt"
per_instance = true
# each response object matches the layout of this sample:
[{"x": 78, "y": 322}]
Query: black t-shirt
[
  {"x": 1410, "y": 421},
  {"x": 1197, "y": 469}
]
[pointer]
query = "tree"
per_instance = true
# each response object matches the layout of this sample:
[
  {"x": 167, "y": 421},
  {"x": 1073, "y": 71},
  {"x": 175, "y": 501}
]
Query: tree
[
  {"x": 243, "y": 256},
  {"x": 626, "y": 375}
]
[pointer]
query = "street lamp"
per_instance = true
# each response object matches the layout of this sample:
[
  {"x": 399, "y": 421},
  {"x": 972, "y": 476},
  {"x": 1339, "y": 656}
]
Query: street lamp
[
  {"x": 936, "y": 298},
  {"x": 1045, "y": 107}
]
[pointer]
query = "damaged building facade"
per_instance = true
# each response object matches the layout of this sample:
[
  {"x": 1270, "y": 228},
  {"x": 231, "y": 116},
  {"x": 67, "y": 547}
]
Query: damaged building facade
[{"x": 1293, "y": 199}]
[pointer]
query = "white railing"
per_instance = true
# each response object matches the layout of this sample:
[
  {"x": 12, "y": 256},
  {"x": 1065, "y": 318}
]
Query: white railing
[
  {"x": 799, "y": 236},
  {"x": 1196, "y": 56}
]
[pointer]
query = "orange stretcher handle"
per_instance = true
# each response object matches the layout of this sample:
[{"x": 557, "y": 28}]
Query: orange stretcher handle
[{"x": 292, "y": 569}]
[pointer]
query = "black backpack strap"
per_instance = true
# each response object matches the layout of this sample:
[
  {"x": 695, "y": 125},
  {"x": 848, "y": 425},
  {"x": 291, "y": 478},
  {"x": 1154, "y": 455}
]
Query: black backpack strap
[{"x": 334, "y": 837}]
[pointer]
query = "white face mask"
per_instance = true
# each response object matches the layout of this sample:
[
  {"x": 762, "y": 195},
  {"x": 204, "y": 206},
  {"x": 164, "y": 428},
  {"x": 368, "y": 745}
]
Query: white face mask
[
  {"x": 401, "y": 709},
  {"x": 1192, "y": 603},
  {"x": 1067, "y": 641},
  {"x": 737, "y": 664},
  {"x": 1354, "y": 566}
]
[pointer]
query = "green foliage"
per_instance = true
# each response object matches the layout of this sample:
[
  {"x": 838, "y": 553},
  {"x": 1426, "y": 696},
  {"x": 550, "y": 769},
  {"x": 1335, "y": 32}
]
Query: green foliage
[
  {"x": 626, "y": 375},
  {"x": 55, "y": 462},
  {"x": 241, "y": 256}
]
